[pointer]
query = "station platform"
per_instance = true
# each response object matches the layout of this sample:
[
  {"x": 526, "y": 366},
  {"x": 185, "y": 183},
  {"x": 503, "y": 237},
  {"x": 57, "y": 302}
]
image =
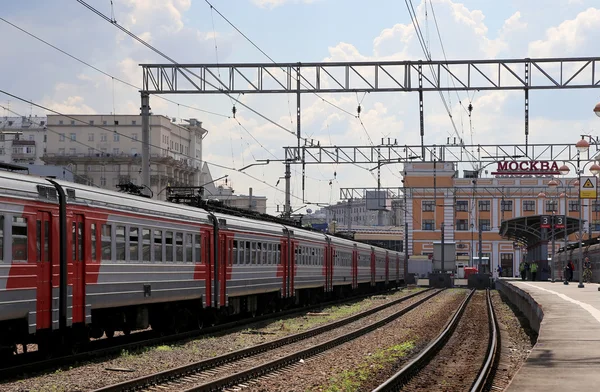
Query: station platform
[{"x": 567, "y": 319}]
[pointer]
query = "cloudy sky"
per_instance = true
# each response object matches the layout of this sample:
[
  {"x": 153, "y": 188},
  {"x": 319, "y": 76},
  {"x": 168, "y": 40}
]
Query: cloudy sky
[{"x": 293, "y": 31}]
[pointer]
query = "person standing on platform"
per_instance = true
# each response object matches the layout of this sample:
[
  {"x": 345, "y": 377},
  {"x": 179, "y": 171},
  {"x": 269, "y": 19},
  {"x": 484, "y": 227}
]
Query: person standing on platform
[
  {"x": 522, "y": 270},
  {"x": 499, "y": 269},
  {"x": 534, "y": 268},
  {"x": 571, "y": 270}
]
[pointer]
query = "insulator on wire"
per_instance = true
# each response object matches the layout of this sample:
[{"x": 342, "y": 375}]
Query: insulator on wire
[
  {"x": 334, "y": 174},
  {"x": 358, "y": 109},
  {"x": 470, "y": 107},
  {"x": 233, "y": 110}
]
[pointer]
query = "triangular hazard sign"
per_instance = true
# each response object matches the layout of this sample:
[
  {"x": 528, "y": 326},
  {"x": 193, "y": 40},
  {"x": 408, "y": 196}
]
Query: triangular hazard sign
[{"x": 588, "y": 184}]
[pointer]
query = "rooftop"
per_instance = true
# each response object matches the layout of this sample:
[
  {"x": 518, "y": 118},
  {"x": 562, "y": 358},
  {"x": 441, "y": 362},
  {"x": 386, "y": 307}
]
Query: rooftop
[{"x": 19, "y": 123}]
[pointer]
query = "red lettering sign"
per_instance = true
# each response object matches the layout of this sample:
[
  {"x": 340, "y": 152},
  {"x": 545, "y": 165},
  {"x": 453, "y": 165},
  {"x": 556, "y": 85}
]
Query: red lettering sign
[{"x": 526, "y": 169}]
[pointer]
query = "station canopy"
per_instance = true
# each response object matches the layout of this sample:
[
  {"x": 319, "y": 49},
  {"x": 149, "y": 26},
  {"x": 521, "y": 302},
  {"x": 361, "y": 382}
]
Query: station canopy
[{"x": 527, "y": 230}]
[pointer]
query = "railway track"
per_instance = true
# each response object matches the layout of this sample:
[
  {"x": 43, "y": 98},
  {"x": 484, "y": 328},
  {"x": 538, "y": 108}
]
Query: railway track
[
  {"x": 426, "y": 371},
  {"x": 33, "y": 362},
  {"x": 239, "y": 366}
]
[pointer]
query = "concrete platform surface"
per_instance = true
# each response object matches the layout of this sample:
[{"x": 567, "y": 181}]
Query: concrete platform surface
[{"x": 566, "y": 356}]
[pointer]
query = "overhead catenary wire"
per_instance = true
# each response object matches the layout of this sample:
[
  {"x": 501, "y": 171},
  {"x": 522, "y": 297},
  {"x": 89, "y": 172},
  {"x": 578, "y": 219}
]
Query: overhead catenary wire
[
  {"x": 50, "y": 129},
  {"x": 273, "y": 61},
  {"x": 427, "y": 52},
  {"x": 157, "y": 51},
  {"x": 104, "y": 72}
]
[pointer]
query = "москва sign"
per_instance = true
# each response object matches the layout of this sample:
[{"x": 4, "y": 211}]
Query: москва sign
[{"x": 526, "y": 169}]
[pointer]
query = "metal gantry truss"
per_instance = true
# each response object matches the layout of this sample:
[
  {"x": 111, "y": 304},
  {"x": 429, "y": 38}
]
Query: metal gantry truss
[
  {"x": 372, "y": 76},
  {"x": 477, "y": 191},
  {"x": 393, "y": 153}
]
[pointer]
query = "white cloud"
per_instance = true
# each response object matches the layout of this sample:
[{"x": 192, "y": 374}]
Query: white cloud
[
  {"x": 571, "y": 37},
  {"x": 277, "y": 3}
]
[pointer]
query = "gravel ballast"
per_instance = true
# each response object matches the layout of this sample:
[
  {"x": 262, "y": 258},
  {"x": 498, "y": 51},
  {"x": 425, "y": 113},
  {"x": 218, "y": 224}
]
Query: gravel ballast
[
  {"x": 363, "y": 363},
  {"x": 154, "y": 359}
]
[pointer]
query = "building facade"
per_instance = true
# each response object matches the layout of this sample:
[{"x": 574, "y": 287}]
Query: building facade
[
  {"x": 347, "y": 214},
  {"x": 105, "y": 150},
  {"x": 440, "y": 198},
  {"x": 22, "y": 140},
  {"x": 226, "y": 195}
]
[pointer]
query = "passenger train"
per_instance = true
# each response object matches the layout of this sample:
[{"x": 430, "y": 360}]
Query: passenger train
[
  {"x": 590, "y": 250},
  {"x": 78, "y": 262}
]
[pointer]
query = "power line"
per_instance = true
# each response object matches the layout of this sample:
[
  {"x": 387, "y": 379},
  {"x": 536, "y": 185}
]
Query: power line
[
  {"x": 101, "y": 71},
  {"x": 427, "y": 53},
  {"x": 271, "y": 59},
  {"x": 131, "y": 138},
  {"x": 146, "y": 44}
]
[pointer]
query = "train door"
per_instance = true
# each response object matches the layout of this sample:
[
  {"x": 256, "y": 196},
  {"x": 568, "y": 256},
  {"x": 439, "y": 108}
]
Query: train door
[
  {"x": 354, "y": 267},
  {"x": 330, "y": 267},
  {"x": 387, "y": 267},
  {"x": 373, "y": 266},
  {"x": 224, "y": 257},
  {"x": 327, "y": 255},
  {"x": 46, "y": 260},
  {"x": 77, "y": 285}
]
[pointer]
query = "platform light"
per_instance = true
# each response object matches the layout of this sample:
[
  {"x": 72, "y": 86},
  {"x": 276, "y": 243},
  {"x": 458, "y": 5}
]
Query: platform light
[
  {"x": 582, "y": 145},
  {"x": 541, "y": 195},
  {"x": 595, "y": 169},
  {"x": 597, "y": 109},
  {"x": 563, "y": 194},
  {"x": 564, "y": 170},
  {"x": 553, "y": 183}
]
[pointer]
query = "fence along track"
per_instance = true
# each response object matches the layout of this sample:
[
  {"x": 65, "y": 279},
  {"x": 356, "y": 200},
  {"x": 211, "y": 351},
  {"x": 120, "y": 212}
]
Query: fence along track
[{"x": 188, "y": 371}]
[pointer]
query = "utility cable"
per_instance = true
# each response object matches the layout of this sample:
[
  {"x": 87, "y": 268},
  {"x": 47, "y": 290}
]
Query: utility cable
[
  {"x": 146, "y": 44},
  {"x": 103, "y": 72}
]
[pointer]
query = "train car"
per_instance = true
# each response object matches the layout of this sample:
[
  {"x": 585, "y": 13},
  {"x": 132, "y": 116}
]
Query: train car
[
  {"x": 590, "y": 250},
  {"x": 79, "y": 262}
]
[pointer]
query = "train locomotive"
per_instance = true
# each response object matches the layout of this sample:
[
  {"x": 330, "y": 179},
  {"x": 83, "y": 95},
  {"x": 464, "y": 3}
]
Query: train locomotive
[{"x": 78, "y": 262}]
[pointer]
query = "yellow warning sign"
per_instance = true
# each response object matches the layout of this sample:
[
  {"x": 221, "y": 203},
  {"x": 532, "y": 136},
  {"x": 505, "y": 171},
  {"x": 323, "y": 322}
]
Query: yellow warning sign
[
  {"x": 588, "y": 184},
  {"x": 588, "y": 187}
]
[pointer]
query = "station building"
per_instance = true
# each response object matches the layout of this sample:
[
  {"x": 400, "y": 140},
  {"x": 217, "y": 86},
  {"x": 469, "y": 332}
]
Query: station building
[{"x": 440, "y": 197}]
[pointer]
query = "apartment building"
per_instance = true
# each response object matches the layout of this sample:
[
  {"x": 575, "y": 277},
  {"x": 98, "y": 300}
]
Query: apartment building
[
  {"x": 105, "y": 150},
  {"x": 22, "y": 140}
]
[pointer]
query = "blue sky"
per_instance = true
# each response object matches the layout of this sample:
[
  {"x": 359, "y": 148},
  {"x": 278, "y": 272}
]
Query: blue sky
[{"x": 302, "y": 30}]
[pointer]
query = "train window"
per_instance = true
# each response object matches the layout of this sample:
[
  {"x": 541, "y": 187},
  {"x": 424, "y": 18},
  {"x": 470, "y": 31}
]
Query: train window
[
  {"x": 46, "y": 241},
  {"x": 188, "y": 248},
  {"x": 235, "y": 252},
  {"x": 278, "y": 253},
  {"x": 264, "y": 253},
  {"x": 146, "y": 245},
  {"x": 197, "y": 249},
  {"x": 179, "y": 247},
  {"x": 168, "y": 246},
  {"x": 258, "y": 253},
  {"x": 158, "y": 246},
  {"x": 120, "y": 242},
  {"x": 93, "y": 234},
  {"x": 248, "y": 252},
  {"x": 1, "y": 237},
  {"x": 106, "y": 238},
  {"x": 253, "y": 258},
  {"x": 134, "y": 237},
  {"x": 80, "y": 240},
  {"x": 269, "y": 253},
  {"x": 19, "y": 238}
]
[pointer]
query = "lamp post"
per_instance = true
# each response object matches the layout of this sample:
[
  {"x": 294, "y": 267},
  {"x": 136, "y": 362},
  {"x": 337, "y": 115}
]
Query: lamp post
[
  {"x": 582, "y": 147},
  {"x": 552, "y": 184},
  {"x": 564, "y": 170}
]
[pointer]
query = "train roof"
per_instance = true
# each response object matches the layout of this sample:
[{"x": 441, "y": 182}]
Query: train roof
[
  {"x": 22, "y": 185},
  {"x": 105, "y": 198}
]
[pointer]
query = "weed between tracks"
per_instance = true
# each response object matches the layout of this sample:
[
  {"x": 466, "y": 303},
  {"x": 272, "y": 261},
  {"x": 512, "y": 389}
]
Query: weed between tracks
[
  {"x": 352, "y": 380},
  {"x": 326, "y": 315}
]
